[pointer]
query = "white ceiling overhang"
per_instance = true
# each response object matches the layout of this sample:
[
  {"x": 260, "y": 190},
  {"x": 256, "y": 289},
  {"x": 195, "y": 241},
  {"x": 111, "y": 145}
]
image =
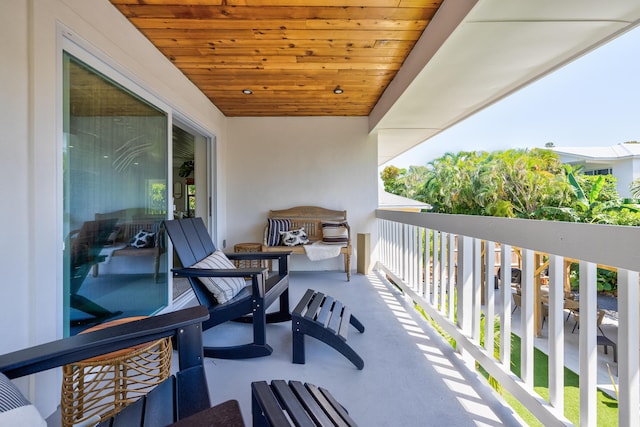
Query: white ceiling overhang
[{"x": 485, "y": 51}]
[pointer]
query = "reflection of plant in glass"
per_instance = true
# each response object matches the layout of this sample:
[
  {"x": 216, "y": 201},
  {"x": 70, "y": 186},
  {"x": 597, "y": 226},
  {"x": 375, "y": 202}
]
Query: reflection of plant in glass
[
  {"x": 186, "y": 168},
  {"x": 157, "y": 197},
  {"x": 191, "y": 199}
]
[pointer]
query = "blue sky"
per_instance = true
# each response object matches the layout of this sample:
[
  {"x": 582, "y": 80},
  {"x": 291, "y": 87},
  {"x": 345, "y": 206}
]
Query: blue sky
[{"x": 593, "y": 101}]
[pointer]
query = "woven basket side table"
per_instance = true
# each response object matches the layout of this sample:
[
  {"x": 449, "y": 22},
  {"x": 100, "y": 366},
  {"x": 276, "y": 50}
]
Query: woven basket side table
[
  {"x": 105, "y": 384},
  {"x": 249, "y": 247}
]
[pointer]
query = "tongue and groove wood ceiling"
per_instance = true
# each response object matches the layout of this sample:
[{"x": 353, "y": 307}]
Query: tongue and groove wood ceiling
[{"x": 292, "y": 54}]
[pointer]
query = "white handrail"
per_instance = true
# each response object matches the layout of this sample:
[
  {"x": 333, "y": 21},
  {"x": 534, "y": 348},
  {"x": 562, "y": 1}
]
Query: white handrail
[{"x": 436, "y": 260}]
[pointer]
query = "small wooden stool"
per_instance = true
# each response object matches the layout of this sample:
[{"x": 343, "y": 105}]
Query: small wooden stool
[
  {"x": 248, "y": 247},
  {"x": 327, "y": 320},
  {"x": 105, "y": 384}
]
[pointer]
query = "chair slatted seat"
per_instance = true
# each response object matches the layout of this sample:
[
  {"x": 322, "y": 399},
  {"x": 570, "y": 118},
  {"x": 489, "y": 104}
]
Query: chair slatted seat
[{"x": 282, "y": 404}]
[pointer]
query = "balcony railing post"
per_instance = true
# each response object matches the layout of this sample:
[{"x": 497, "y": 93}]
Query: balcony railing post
[
  {"x": 556, "y": 332},
  {"x": 451, "y": 250},
  {"x": 505, "y": 297},
  {"x": 427, "y": 271},
  {"x": 477, "y": 290},
  {"x": 489, "y": 335},
  {"x": 526, "y": 317},
  {"x": 443, "y": 266},
  {"x": 407, "y": 255},
  {"x": 628, "y": 342},
  {"x": 588, "y": 352},
  {"x": 435, "y": 268},
  {"x": 464, "y": 287}
]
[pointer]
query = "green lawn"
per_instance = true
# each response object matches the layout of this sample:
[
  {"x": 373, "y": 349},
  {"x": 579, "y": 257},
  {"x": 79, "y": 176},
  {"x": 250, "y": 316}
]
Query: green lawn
[{"x": 607, "y": 407}]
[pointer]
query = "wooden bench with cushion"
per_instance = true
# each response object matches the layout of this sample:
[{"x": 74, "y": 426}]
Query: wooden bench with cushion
[{"x": 311, "y": 218}]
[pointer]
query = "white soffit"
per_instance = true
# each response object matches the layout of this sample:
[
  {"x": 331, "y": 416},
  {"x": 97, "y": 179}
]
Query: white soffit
[{"x": 498, "y": 48}]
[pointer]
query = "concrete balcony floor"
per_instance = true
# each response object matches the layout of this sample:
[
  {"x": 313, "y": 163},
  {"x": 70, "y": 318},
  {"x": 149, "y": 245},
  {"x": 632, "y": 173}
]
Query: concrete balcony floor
[{"x": 411, "y": 376}]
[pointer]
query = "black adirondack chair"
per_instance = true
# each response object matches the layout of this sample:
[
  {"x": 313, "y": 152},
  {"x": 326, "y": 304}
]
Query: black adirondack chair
[
  {"x": 85, "y": 246},
  {"x": 182, "y": 395},
  {"x": 192, "y": 243}
]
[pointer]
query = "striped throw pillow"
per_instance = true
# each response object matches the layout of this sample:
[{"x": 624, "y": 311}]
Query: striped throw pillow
[
  {"x": 15, "y": 409},
  {"x": 276, "y": 226},
  {"x": 335, "y": 233},
  {"x": 222, "y": 288}
]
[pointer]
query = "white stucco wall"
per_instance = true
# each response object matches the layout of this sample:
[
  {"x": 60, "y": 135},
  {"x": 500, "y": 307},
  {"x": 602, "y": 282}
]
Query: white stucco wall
[
  {"x": 261, "y": 163},
  {"x": 278, "y": 163},
  {"x": 17, "y": 285},
  {"x": 623, "y": 171},
  {"x": 636, "y": 169},
  {"x": 30, "y": 79}
]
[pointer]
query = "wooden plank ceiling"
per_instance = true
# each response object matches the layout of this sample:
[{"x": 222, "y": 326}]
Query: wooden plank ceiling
[{"x": 292, "y": 54}]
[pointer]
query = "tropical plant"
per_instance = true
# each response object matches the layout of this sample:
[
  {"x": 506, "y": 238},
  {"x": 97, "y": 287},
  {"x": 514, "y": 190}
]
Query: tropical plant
[
  {"x": 186, "y": 168},
  {"x": 635, "y": 188},
  {"x": 511, "y": 183},
  {"x": 403, "y": 182},
  {"x": 607, "y": 279},
  {"x": 595, "y": 200},
  {"x": 517, "y": 183}
]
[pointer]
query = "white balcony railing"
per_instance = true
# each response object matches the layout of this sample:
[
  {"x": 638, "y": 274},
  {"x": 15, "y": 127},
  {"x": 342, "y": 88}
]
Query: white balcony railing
[{"x": 442, "y": 261}]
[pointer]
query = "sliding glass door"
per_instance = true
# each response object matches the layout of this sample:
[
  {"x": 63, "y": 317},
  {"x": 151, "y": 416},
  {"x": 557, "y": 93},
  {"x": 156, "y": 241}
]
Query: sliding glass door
[{"x": 115, "y": 183}]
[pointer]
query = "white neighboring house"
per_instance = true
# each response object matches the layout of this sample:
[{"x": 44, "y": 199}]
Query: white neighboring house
[
  {"x": 622, "y": 161},
  {"x": 399, "y": 203}
]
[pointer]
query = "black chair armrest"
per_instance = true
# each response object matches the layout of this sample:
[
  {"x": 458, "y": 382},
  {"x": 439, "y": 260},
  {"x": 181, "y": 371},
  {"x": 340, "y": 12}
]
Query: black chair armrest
[
  {"x": 182, "y": 324},
  {"x": 257, "y": 255},
  {"x": 230, "y": 272}
]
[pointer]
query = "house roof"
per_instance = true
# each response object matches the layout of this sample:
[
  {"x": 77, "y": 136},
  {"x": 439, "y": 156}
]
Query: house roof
[
  {"x": 392, "y": 201},
  {"x": 614, "y": 152}
]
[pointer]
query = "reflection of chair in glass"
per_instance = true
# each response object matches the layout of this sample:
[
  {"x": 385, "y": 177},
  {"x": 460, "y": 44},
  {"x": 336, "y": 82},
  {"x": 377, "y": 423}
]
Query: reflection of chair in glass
[{"x": 85, "y": 246}]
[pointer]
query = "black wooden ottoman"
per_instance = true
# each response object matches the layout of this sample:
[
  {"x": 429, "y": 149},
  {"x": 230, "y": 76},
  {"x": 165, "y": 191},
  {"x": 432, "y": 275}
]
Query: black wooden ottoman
[
  {"x": 326, "y": 319},
  {"x": 282, "y": 404}
]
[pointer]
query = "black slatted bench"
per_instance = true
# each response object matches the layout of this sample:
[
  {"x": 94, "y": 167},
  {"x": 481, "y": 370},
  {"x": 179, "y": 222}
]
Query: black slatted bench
[
  {"x": 326, "y": 319},
  {"x": 282, "y": 404}
]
